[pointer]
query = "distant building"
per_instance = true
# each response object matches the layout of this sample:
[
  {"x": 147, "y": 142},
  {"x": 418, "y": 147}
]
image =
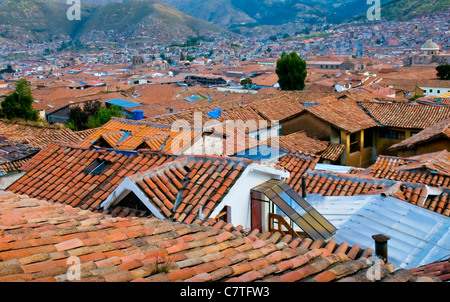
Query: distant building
[
  {"x": 138, "y": 62},
  {"x": 430, "y": 53}
]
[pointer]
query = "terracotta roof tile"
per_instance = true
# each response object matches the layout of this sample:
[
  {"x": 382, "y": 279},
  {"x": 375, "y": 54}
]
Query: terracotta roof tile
[
  {"x": 82, "y": 188},
  {"x": 160, "y": 250},
  {"x": 343, "y": 114},
  {"x": 413, "y": 116}
]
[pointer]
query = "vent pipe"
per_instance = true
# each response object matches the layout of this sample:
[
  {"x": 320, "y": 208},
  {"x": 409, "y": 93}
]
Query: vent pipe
[
  {"x": 381, "y": 246},
  {"x": 304, "y": 188}
]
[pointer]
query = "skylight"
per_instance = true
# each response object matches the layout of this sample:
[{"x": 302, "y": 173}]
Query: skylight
[
  {"x": 96, "y": 167},
  {"x": 286, "y": 202}
]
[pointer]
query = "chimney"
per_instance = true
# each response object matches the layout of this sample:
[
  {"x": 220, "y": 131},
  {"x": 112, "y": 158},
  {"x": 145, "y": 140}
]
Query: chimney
[
  {"x": 170, "y": 109},
  {"x": 381, "y": 246},
  {"x": 304, "y": 188}
]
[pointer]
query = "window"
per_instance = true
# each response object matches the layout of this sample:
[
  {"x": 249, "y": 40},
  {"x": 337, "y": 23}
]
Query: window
[
  {"x": 392, "y": 134},
  {"x": 96, "y": 167},
  {"x": 355, "y": 142},
  {"x": 438, "y": 91},
  {"x": 368, "y": 138}
]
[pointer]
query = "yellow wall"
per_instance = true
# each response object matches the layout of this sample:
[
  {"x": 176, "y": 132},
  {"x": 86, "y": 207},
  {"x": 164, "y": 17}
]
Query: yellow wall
[
  {"x": 383, "y": 144},
  {"x": 362, "y": 158}
]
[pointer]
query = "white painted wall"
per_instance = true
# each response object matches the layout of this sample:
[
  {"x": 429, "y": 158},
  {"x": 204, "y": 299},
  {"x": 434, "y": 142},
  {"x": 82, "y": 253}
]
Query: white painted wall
[
  {"x": 238, "y": 198},
  {"x": 433, "y": 91}
]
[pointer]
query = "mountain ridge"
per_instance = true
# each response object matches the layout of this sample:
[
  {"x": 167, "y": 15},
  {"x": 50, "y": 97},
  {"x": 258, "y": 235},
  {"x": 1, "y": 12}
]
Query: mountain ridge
[{"x": 40, "y": 20}]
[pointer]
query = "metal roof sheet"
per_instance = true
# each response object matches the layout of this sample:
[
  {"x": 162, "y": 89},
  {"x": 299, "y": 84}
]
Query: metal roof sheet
[
  {"x": 418, "y": 236},
  {"x": 123, "y": 103}
]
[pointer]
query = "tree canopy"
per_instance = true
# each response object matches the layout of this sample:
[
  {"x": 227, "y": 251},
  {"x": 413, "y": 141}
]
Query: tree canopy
[
  {"x": 92, "y": 115},
  {"x": 19, "y": 104},
  {"x": 8, "y": 69},
  {"x": 443, "y": 72},
  {"x": 291, "y": 71}
]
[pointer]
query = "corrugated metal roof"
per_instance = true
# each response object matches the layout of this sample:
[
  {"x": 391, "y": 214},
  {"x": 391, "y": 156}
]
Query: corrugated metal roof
[
  {"x": 122, "y": 103},
  {"x": 418, "y": 236}
]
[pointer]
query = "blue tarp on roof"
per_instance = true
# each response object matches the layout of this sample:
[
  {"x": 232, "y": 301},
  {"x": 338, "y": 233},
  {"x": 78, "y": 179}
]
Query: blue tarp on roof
[
  {"x": 215, "y": 113},
  {"x": 122, "y": 103}
]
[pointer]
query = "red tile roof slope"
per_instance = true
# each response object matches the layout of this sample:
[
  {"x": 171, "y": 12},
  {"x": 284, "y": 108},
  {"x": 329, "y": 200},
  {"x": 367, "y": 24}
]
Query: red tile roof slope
[
  {"x": 431, "y": 169},
  {"x": 300, "y": 142},
  {"x": 297, "y": 164},
  {"x": 37, "y": 136},
  {"x": 37, "y": 239},
  {"x": 440, "y": 130},
  {"x": 439, "y": 269},
  {"x": 343, "y": 114},
  {"x": 59, "y": 174},
  {"x": 181, "y": 189},
  {"x": 411, "y": 116}
]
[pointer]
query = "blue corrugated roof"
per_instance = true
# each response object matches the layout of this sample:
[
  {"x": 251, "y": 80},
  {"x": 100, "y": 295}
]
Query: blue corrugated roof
[
  {"x": 122, "y": 103},
  {"x": 418, "y": 236}
]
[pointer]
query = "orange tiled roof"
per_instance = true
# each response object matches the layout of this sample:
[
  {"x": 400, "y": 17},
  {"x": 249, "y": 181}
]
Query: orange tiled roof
[
  {"x": 37, "y": 238},
  {"x": 37, "y": 136},
  {"x": 438, "y": 269},
  {"x": 400, "y": 115},
  {"x": 124, "y": 134},
  {"x": 431, "y": 169},
  {"x": 436, "y": 131},
  {"x": 57, "y": 174},
  {"x": 297, "y": 164},
  {"x": 343, "y": 114},
  {"x": 302, "y": 143},
  {"x": 181, "y": 189}
]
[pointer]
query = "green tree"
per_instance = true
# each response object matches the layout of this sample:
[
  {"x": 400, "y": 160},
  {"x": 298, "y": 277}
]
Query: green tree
[
  {"x": 291, "y": 71},
  {"x": 103, "y": 116},
  {"x": 20, "y": 103},
  {"x": 443, "y": 72},
  {"x": 8, "y": 69},
  {"x": 77, "y": 119}
]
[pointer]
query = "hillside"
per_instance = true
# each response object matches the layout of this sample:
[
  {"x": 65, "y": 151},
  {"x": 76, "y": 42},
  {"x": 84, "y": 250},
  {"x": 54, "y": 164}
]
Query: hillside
[
  {"x": 219, "y": 12},
  {"x": 39, "y": 20},
  {"x": 151, "y": 17},
  {"x": 403, "y": 10},
  {"x": 231, "y": 13},
  {"x": 32, "y": 20}
]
